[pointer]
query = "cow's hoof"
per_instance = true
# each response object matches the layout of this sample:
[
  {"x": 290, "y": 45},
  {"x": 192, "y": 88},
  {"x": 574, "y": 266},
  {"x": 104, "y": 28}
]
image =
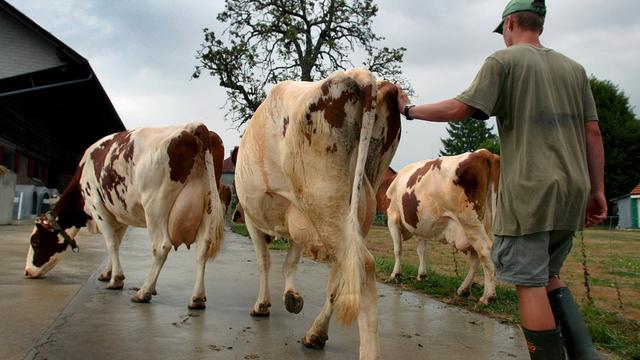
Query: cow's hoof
[
  {"x": 315, "y": 341},
  {"x": 485, "y": 300},
  {"x": 145, "y": 298},
  {"x": 395, "y": 277},
  {"x": 293, "y": 302},
  {"x": 421, "y": 277},
  {"x": 154, "y": 293},
  {"x": 263, "y": 310},
  {"x": 105, "y": 276},
  {"x": 115, "y": 286},
  {"x": 464, "y": 293},
  {"x": 116, "y": 283},
  {"x": 198, "y": 303}
]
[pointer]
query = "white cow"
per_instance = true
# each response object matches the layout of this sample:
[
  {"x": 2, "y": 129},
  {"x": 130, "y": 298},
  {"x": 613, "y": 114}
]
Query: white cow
[
  {"x": 452, "y": 199},
  {"x": 159, "y": 178},
  {"x": 309, "y": 164}
]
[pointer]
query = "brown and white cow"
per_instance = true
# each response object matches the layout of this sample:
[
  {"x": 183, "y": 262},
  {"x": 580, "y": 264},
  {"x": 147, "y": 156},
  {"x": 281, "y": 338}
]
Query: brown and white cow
[
  {"x": 309, "y": 164},
  {"x": 163, "y": 179},
  {"x": 452, "y": 199}
]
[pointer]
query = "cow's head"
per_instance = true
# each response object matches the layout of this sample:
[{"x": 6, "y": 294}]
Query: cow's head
[
  {"x": 47, "y": 239},
  {"x": 225, "y": 196}
]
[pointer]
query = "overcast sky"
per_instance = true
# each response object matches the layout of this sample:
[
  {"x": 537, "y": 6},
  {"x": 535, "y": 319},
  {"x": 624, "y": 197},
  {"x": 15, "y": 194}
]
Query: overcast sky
[{"x": 143, "y": 53}]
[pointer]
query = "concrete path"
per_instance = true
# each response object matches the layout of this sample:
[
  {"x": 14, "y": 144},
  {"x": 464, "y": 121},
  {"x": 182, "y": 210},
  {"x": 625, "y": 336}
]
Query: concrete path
[{"x": 70, "y": 315}]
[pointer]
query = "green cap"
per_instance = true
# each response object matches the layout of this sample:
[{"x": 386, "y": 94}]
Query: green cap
[{"x": 514, "y": 6}]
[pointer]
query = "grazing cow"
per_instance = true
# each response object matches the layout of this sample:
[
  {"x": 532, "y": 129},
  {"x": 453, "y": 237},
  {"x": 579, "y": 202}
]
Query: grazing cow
[
  {"x": 160, "y": 178},
  {"x": 309, "y": 164},
  {"x": 450, "y": 199}
]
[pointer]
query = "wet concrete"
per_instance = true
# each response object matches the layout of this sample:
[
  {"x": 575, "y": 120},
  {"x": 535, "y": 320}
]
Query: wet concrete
[{"x": 70, "y": 315}]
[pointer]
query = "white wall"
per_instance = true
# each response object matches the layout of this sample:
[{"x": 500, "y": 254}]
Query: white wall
[
  {"x": 7, "y": 191},
  {"x": 624, "y": 213}
]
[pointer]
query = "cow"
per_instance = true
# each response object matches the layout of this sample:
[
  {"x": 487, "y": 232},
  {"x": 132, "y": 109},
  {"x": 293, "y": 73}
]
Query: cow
[
  {"x": 309, "y": 163},
  {"x": 164, "y": 179},
  {"x": 450, "y": 199},
  {"x": 382, "y": 201},
  {"x": 217, "y": 152}
]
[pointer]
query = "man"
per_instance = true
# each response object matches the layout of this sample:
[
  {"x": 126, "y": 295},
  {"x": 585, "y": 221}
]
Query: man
[{"x": 552, "y": 172}]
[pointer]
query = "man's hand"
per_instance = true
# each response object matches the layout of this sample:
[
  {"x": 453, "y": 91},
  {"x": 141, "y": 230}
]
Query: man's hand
[
  {"x": 443, "y": 111},
  {"x": 403, "y": 99},
  {"x": 596, "y": 203},
  {"x": 596, "y": 209}
]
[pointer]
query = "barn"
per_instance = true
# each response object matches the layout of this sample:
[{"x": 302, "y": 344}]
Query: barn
[
  {"x": 52, "y": 107},
  {"x": 629, "y": 209}
]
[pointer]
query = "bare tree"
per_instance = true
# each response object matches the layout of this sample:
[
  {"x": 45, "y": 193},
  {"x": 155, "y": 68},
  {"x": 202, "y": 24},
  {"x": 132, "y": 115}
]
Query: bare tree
[{"x": 268, "y": 41}]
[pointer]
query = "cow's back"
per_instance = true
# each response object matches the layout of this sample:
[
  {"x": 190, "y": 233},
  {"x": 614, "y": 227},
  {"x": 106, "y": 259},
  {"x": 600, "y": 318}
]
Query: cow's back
[
  {"x": 431, "y": 195},
  {"x": 124, "y": 172},
  {"x": 300, "y": 148}
]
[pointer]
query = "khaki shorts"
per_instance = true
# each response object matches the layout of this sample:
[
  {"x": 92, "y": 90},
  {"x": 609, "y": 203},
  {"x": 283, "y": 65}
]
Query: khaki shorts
[{"x": 530, "y": 260}]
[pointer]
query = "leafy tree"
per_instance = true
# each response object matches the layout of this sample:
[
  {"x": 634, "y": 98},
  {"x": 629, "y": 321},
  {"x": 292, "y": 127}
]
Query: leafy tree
[
  {"x": 469, "y": 135},
  {"x": 268, "y": 41},
  {"x": 621, "y": 136}
]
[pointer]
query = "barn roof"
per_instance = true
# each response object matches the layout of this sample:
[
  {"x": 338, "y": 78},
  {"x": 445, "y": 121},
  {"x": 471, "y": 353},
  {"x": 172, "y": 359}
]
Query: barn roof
[
  {"x": 636, "y": 190},
  {"x": 52, "y": 104},
  {"x": 84, "y": 101}
]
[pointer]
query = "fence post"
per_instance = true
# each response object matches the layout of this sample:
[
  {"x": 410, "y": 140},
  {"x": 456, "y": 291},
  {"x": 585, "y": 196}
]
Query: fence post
[{"x": 585, "y": 269}]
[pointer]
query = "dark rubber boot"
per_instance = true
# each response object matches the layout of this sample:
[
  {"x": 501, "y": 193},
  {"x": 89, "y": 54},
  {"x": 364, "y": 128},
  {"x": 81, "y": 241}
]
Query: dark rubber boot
[
  {"x": 544, "y": 345},
  {"x": 574, "y": 330}
]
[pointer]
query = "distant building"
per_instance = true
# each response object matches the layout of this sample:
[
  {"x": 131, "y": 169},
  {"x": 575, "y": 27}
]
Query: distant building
[
  {"x": 629, "y": 209},
  {"x": 229, "y": 168},
  {"x": 52, "y": 107}
]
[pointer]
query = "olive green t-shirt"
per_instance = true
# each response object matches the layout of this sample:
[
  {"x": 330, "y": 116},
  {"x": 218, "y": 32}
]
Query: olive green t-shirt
[{"x": 541, "y": 99}]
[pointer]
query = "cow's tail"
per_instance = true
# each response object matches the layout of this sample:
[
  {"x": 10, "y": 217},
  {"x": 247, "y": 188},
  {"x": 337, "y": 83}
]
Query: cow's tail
[
  {"x": 353, "y": 249},
  {"x": 491, "y": 201},
  {"x": 214, "y": 204}
]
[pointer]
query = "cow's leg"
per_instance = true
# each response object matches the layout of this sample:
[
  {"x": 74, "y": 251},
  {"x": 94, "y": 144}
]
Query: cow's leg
[
  {"x": 317, "y": 335},
  {"x": 396, "y": 235},
  {"x": 292, "y": 299},
  {"x": 422, "y": 250},
  {"x": 465, "y": 287},
  {"x": 481, "y": 243},
  {"x": 105, "y": 275},
  {"x": 199, "y": 296},
  {"x": 368, "y": 316},
  {"x": 113, "y": 237},
  {"x": 161, "y": 246},
  {"x": 263, "y": 302}
]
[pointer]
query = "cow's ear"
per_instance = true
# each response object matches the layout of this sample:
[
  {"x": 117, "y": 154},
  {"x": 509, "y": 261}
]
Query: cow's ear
[
  {"x": 60, "y": 247},
  {"x": 44, "y": 226}
]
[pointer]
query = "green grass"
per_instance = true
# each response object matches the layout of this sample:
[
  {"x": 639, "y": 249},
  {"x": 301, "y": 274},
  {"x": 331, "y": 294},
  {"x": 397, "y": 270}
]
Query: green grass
[
  {"x": 443, "y": 287},
  {"x": 276, "y": 244},
  {"x": 279, "y": 244},
  {"x": 612, "y": 332},
  {"x": 626, "y": 266},
  {"x": 240, "y": 229}
]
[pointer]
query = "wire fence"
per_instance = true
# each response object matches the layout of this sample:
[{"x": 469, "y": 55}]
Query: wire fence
[
  {"x": 603, "y": 269},
  {"x": 610, "y": 259}
]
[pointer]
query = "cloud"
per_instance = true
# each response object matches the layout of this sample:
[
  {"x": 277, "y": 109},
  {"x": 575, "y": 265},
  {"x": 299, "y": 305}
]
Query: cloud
[{"x": 143, "y": 52}]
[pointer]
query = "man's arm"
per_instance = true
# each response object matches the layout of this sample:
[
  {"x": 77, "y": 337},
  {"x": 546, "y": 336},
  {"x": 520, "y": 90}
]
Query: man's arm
[
  {"x": 597, "y": 204},
  {"x": 443, "y": 111}
]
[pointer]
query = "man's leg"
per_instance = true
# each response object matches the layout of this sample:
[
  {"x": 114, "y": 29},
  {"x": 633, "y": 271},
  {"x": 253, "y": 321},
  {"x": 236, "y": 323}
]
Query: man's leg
[
  {"x": 523, "y": 261},
  {"x": 538, "y": 325},
  {"x": 535, "y": 311},
  {"x": 565, "y": 310}
]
